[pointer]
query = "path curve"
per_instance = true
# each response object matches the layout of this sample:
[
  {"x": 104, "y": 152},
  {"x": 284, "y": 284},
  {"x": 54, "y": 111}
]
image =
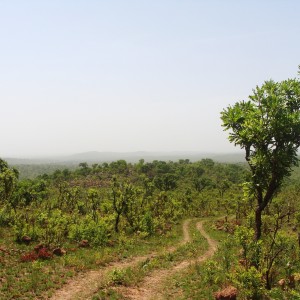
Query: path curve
[
  {"x": 151, "y": 287},
  {"x": 84, "y": 285}
]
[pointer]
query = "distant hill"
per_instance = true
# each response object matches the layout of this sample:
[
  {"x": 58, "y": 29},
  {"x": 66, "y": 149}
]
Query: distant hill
[
  {"x": 99, "y": 157},
  {"x": 30, "y": 168}
]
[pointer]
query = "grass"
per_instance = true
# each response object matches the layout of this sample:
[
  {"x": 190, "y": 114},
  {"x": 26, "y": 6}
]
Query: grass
[
  {"x": 202, "y": 280},
  {"x": 38, "y": 279},
  {"x": 134, "y": 275},
  {"x": 199, "y": 280},
  {"x": 108, "y": 294}
]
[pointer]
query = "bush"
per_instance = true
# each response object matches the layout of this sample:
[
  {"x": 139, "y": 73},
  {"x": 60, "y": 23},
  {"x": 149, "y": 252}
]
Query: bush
[
  {"x": 148, "y": 223},
  {"x": 96, "y": 233},
  {"x": 211, "y": 272},
  {"x": 250, "y": 283}
]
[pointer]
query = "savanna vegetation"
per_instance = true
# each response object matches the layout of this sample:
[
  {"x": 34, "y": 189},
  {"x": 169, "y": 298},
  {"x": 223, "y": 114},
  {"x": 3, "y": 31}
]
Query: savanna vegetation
[
  {"x": 101, "y": 213},
  {"x": 57, "y": 225}
]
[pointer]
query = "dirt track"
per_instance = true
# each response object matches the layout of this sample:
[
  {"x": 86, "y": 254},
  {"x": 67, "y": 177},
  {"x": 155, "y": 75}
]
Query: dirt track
[
  {"x": 152, "y": 286},
  {"x": 85, "y": 285}
]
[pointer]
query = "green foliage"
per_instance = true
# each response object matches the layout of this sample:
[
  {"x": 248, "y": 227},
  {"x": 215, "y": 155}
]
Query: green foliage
[
  {"x": 7, "y": 215},
  {"x": 146, "y": 201},
  {"x": 118, "y": 276},
  {"x": 166, "y": 182},
  {"x": 250, "y": 284},
  {"x": 250, "y": 248},
  {"x": 87, "y": 229},
  {"x": 108, "y": 294},
  {"x": 148, "y": 223},
  {"x": 8, "y": 181},
  {"x": 201, "y": 183},
  {"x": 267, "y": 126},
  {"x": 211, "y": 272}
]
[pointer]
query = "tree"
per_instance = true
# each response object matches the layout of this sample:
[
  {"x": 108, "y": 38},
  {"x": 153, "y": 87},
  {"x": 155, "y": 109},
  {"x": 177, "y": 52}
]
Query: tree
[
  {"x": 166, "y": 182},
  {"x": 8, "y": 181},
  {"x": 93, "y": 196},
  {"x": 201, "y": 183},
  {"x": 119, "y": 201},
  {"x": 267, "y": 127},
  {"x": 84, "y": 168}
]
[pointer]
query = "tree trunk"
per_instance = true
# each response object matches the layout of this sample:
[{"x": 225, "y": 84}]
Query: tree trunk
[
  {"x": 258, "y": 223},
  {"x": 117, "y": 223},
  {"x": 268, "y": 283}
]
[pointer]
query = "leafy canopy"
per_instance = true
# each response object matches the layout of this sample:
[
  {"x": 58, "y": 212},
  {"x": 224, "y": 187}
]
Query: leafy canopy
[
  {"x": 8, "y": 179},
  {"x": 267, "y": 126}
]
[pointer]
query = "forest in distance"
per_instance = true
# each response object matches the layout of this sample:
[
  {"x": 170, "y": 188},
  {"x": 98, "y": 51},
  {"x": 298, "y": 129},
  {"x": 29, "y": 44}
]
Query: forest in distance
[{"x": 32, "y": 167}]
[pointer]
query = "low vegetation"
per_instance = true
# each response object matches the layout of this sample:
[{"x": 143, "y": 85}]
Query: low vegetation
[{"x": 57, "y": 225}]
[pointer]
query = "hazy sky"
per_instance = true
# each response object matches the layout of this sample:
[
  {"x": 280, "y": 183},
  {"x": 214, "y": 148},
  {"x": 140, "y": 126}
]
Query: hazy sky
[{"x": 84, "y": 75}]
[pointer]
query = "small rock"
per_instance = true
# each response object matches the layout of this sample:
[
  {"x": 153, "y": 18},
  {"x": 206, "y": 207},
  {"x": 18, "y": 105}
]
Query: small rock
[
  {"x": 243, "y": 262},
  {"x": 59, "y": 251},
  {"x": 84, "y": 244},
  {"x": 281, "y": 283},
  {"x": 229, "y": 293},
  {"x": 26, "y": 239},
  {"x": 292, "y": 282},
  {"x": 38, "y": 247}
]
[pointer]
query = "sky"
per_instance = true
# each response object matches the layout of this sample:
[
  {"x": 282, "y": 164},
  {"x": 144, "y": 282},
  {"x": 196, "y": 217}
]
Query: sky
[{"x": 124, "y": 76}]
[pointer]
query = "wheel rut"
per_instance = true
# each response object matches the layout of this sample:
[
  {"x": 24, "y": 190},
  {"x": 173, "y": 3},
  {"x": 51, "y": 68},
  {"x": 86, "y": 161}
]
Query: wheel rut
[
  {"x": 85, "y": 285},
  {"x": 152, "y": 286}
]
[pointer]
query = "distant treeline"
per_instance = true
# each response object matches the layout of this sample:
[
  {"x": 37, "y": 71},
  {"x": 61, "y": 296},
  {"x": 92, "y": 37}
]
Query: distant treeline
[{"x": 31, "y": 171}]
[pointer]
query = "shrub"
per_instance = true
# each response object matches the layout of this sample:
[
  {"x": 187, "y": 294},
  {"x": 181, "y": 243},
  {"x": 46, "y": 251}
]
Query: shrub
[
  {"x": 95, "y": 232},
  {"x": 250, "y": 283}
]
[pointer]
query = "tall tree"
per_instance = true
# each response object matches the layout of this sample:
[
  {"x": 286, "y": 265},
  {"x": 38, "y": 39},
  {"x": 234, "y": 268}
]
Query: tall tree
[
  {"x": 8, "y": 181},
  {"x": 267, "y": 127}
]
